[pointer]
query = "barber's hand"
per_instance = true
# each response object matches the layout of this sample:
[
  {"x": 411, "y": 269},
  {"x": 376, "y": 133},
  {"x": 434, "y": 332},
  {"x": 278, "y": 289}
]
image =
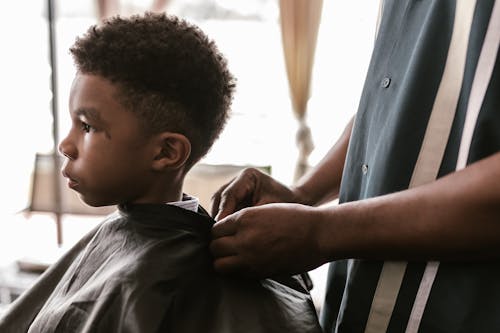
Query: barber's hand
[
  {"x": 268, "y": 240},
  {"x": 251, "y": 188}
]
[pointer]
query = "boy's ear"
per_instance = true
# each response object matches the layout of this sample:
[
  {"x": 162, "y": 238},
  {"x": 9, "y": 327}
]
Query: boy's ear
[{"x": 171, "y": 151}]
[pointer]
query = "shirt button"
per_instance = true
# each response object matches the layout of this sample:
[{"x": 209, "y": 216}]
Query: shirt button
[
  {"x": 364, "y": 169},
  {"x": 386, "y": 81}
]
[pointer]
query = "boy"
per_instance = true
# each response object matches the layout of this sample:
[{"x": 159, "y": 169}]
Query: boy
[{"x": 150, "y": 96}]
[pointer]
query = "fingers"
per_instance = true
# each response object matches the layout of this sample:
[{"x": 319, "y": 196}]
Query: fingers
[
  {"x": 237, "y": 266},
  {"x": 230, "y": 198},
  {"x": 228, "y": 265},
  {"x": 223, "y": 247},
  {"x": 216, "y": 200},
  {"x": 234, "y": 265},
  {"x": 225, "y": 227},
  {"x": 227, "y": 205},
  {"x": 235, "y": 195}
]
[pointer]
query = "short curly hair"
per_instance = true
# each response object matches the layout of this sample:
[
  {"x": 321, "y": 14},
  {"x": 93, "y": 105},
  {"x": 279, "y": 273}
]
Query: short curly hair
[{"x": 168, "y": 72}]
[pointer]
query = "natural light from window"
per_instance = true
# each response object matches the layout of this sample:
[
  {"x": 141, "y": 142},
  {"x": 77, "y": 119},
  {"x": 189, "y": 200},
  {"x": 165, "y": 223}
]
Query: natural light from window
[{"x": 260, "y": 132}]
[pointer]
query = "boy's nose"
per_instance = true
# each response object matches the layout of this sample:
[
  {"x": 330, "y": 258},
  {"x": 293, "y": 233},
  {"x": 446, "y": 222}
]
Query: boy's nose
[{"x": 67, "y": 149}]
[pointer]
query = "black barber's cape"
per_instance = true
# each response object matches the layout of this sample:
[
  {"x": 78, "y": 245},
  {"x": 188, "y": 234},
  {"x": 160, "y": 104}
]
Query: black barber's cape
[{"x": 147, "y": 268}]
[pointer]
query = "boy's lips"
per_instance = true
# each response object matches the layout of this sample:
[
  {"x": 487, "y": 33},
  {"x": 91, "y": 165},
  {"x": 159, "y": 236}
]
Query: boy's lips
[{"x": 72, "y": 183}]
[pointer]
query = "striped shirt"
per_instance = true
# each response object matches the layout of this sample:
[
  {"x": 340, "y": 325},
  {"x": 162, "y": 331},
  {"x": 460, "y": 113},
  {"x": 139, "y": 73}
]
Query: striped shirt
[{"x": 430, "y": 106}]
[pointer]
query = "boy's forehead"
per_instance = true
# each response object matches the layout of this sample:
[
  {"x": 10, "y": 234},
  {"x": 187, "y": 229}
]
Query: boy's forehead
[
  {"x": 92, "y": 83},
  {"x": 90, "y": 91}
]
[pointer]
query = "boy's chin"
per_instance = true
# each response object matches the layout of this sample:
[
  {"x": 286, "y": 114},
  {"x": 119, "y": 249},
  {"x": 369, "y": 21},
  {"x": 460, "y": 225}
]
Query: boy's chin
[{"x": 93, "y": 202}]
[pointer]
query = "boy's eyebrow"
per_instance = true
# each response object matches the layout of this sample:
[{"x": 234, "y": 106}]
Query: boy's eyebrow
[{"x": 90, "y": 113}]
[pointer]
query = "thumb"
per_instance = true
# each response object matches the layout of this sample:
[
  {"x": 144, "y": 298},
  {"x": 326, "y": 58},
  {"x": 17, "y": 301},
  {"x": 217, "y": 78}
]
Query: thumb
[
  {"x": 236, "y": 195},
  {"x": 227, "y": 206}
]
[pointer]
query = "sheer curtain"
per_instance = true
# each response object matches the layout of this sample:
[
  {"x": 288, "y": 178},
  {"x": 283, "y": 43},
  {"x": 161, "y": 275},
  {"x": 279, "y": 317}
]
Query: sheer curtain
[{"x": 299, "y": 27}]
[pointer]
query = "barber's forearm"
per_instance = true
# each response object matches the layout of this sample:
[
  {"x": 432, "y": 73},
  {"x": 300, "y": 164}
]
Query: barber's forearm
[
  {"x": 322, "y": 183},
  {"x": 454, "y": 218}
]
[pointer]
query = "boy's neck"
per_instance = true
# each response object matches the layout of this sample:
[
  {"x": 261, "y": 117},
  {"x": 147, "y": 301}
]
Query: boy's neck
[
  {"x": 164, "y": 190},
  {"x": 172, "y": 191}
]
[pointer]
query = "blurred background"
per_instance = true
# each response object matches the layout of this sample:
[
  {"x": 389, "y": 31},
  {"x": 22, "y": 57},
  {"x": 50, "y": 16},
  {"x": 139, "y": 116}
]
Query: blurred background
[{"x": 262, "y": 130}]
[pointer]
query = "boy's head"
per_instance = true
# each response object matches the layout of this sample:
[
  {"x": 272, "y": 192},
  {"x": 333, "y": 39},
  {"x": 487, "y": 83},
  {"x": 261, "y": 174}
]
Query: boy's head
[
  {"x": 151, "y": 95},
  {"x": 170, "y": 74}
]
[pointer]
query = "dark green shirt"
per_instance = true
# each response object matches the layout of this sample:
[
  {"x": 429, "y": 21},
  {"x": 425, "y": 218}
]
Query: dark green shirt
[{"x": 407, "y": 69}]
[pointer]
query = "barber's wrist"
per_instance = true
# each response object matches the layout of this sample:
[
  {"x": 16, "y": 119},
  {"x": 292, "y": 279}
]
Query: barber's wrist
[
  {"x": 324, "y": 236},
  {"x": 335, "y": 234},
  {"x": 298, "y": 195},
  {"x": 301, "y": 196}
]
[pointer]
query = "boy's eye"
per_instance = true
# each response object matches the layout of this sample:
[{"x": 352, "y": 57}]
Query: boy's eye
[{"x": 86, "y": 127}]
